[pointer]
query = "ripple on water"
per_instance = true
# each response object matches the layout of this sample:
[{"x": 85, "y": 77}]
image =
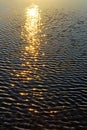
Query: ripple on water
[{"x": 47, "y": 87}]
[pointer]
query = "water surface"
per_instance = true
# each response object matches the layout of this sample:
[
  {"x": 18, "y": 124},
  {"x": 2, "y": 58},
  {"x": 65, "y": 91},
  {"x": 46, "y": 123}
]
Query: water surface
[{"x": 43, "y": 65}]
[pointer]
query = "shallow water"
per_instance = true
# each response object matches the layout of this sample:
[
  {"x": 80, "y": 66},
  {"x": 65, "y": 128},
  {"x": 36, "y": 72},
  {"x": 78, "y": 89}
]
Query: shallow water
[{"x": 43, "y": 66}]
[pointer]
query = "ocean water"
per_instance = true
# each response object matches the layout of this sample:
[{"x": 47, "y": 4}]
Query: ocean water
[{"x": 43, "y": 65}]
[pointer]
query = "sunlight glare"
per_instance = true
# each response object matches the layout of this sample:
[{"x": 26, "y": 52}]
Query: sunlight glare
[
  {"x": 31, "y": 36},
  {"x": 31, "y": 29},
  {"x": 33, "y": 12}
]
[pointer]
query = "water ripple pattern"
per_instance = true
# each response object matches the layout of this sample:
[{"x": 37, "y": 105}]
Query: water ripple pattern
[{"x": 43, "y": 70}]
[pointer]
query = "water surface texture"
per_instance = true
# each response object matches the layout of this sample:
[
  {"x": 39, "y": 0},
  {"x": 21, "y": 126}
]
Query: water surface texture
[{"x": 43, "y": 65}]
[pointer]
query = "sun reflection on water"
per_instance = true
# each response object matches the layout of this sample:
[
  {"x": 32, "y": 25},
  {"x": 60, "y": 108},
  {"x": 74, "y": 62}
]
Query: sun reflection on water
[
  {"x": 30, "y": 66},
  {"x": 30, "y": 35},
  {"x": 31, "y": 30}
]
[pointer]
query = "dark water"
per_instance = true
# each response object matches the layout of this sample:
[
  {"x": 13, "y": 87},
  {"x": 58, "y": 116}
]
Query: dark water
[{"x": 43, "y": 67}]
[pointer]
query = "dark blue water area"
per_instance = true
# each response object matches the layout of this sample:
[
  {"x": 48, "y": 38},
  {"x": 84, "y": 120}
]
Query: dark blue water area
[{"x": 43, "y": 68}]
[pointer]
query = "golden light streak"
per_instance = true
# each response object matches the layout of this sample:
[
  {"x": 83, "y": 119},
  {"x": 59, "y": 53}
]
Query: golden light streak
[
  {"x": 31, "y": 30},
  {"x": 30, "y": 68}
]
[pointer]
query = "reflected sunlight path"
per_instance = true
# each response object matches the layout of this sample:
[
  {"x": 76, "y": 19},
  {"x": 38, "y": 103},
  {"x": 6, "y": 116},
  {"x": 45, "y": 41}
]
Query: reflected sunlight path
[
  {"x": 31, "y": 37},
  {"x": 31, "y": 30}
]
